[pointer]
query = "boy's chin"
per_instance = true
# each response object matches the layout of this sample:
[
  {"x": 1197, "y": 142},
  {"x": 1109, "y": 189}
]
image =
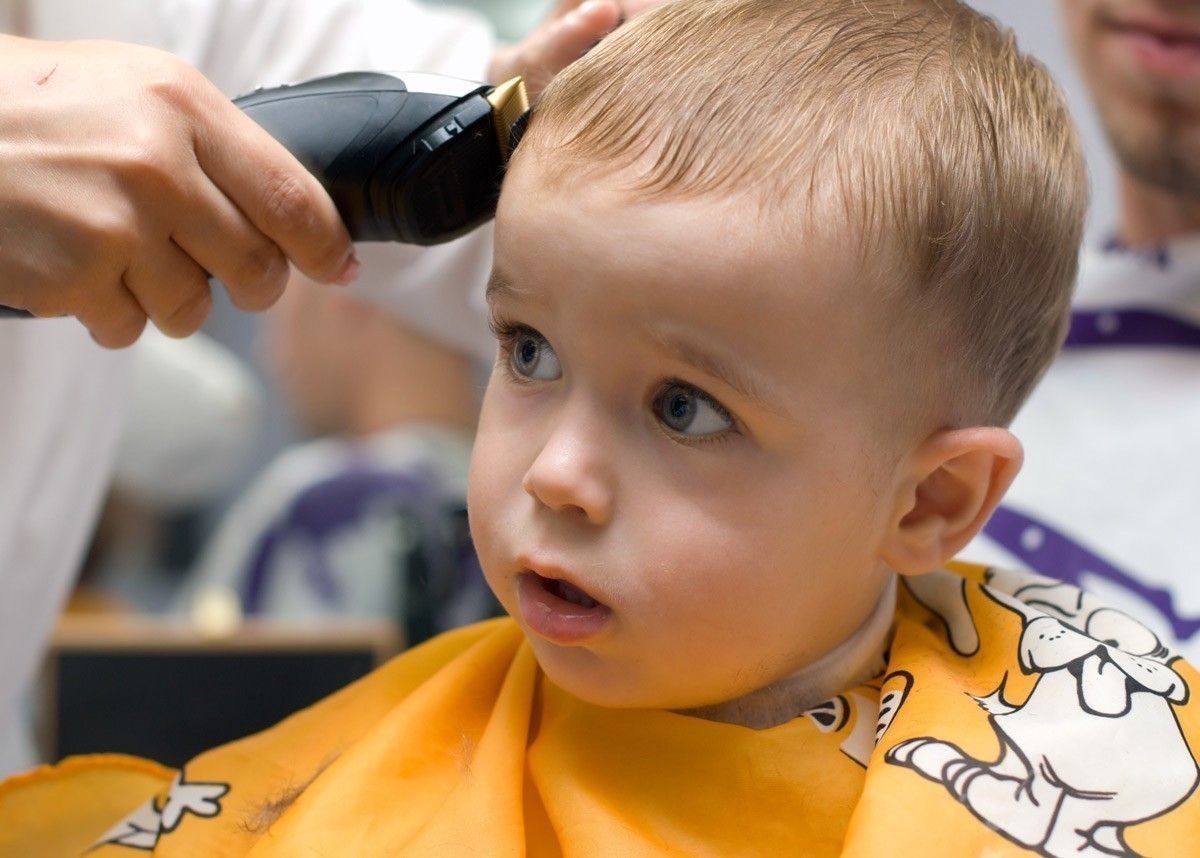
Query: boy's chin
[{"x": 601, "y": 681}]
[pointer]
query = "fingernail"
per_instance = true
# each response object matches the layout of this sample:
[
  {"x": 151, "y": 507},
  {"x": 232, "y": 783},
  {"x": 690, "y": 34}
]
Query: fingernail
[{"x": 349, "y": 271}]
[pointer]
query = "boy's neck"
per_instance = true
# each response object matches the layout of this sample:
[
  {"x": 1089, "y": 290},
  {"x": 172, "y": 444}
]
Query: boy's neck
[{"x": 855, "y": 660}]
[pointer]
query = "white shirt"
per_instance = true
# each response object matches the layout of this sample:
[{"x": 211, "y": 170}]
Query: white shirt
[
  {"x": 1109, "y": 497},
  {"x": 191, "y": 421},
  {"x": 61, "y": 397},
  {"x": 61, "y": 400}
]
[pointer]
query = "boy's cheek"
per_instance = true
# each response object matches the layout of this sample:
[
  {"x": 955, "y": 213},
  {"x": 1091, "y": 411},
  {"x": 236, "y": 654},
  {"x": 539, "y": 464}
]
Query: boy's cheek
[
  {"x": 488, "y": 481},
  {"x": 499, "y": 460},
  {"x": 485, "y": 517},
  {"x": 484, "y": 489}
]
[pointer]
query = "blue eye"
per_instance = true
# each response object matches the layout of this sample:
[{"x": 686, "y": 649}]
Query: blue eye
[
  {"x": 687, "y": 411},
  {"x": 533, "y": 357}
]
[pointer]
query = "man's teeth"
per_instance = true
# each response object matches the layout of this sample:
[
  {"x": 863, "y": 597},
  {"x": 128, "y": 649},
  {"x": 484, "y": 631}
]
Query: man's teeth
[{"x": 572, "y": 594}]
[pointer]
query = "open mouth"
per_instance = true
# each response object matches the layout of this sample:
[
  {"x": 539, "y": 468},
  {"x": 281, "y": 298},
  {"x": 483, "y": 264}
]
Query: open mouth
[
  {"x": 565, "y": 591},
  {"x": 569, "y": 592},
  {"x": 560, "y": 611}
]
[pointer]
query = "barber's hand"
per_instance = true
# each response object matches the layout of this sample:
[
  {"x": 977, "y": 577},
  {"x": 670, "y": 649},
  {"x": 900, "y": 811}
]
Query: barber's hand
[
  {"x": 567, "y": 33},
  {"x": 126, "y": 178}
]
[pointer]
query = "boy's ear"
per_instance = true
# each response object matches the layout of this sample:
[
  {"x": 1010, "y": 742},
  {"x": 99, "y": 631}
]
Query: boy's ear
[{"x": 950, "y": 485}]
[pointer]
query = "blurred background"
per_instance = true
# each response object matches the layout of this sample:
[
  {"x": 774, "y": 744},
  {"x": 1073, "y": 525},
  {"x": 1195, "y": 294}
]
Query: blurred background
[{"x": 290, "y": 496}]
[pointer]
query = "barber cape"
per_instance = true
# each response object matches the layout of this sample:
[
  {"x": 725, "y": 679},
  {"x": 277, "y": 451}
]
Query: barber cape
[
  {"x": 1016, "y": 715},
  {"x": 1108, "y": 494}
]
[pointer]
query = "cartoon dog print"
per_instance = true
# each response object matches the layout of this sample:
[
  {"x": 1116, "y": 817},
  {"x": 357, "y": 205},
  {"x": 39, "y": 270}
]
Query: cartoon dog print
[
  {"x": 862, "y": 720},
  {"x": 145, "y": 825},
  {"x": 1094, "y": 748}
]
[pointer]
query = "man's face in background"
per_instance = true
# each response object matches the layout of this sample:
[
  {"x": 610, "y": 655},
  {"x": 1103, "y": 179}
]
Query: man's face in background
[{"x": 1141, "y": 59}]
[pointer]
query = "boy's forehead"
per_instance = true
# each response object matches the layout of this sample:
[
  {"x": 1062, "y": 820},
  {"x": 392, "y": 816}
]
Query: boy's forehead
[
  {"x": 684, "y": 271},
  {"x": 657, "y": 257},
  {"x": 590, "y": 218}
]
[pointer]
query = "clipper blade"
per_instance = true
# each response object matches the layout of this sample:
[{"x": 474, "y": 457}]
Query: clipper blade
[{"x": 509, "y": 102}]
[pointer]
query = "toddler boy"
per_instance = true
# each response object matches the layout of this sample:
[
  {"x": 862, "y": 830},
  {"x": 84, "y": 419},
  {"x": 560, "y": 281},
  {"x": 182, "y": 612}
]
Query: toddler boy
[{"x": 770, "y": 278}]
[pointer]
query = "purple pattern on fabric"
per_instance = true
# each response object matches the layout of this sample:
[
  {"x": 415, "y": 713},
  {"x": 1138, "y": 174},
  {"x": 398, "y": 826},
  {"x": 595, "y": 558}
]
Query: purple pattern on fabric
[
  {"x": 1130, "y": 327},
  {"x": 1159, "y": 256},
  {"x": 1050, "y": 552},
  {"x": 324, "y": 509}
]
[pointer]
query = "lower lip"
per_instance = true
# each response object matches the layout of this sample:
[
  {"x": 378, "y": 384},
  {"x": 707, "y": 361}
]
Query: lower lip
[
  {"x": 554, "y": 618},
  {"x": 1174, "y": 59}
]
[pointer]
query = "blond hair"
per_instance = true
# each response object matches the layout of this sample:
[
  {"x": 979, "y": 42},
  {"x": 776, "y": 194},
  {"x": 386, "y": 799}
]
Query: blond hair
[{"x": 942, "y": 141}]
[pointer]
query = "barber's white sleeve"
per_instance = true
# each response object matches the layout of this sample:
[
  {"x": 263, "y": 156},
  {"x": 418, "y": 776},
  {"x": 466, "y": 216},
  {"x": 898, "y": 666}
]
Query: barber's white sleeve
[
  {"x": 61, "y": 400},
  {"x": 193, "y": 417}
]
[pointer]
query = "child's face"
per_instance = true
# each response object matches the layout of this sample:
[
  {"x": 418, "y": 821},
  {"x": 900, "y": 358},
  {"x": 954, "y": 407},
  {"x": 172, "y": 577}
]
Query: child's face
[{"x": 690, "y": 421}]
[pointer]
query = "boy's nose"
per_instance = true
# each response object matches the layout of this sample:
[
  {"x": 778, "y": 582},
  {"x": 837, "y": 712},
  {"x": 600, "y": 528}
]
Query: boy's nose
[{"x": 569, "y": 475}]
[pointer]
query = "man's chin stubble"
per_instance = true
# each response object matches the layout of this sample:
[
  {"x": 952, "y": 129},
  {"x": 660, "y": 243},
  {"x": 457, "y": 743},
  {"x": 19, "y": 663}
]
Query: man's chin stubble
[{"x": 1168, "y": 161}]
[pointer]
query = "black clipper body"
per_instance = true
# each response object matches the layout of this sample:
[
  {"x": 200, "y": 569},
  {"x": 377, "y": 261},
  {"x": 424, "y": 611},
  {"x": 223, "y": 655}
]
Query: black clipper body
[
  {"x": 407, "y": 157},
  {"x": 412, "y": 158}
]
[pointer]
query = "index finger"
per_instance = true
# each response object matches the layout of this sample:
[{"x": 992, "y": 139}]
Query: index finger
[{"x": 274, "y": 192}]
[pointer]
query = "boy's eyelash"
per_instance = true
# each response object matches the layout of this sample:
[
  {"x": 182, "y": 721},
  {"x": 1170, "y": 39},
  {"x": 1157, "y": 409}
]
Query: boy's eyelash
[
  {"x": 707, "y": 397},
  {"x": 693, "y": 440},
  {"x": 507, "y": 333},
  {"x": 505, "y": 330}
]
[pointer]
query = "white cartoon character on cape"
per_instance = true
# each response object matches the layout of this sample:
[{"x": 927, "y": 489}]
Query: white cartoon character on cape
[
  {"x": 143, "y": 828},
  {"x": 1093, "y": 749}
]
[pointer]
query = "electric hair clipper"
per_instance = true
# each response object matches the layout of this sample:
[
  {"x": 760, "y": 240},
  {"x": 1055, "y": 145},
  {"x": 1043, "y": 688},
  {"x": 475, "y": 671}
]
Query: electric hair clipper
[
  {"x": 407, "y": 157},
  {"x": 413, "y": 158}
]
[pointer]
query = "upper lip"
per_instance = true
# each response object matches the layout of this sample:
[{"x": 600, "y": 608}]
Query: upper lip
[
  {"x": 1156, "y": 25},
  {"x": 555, "y": 572}
]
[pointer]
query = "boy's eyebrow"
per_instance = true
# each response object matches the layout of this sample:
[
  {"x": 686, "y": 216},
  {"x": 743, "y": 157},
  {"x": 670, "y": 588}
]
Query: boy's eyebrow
[
  {"x": 499, "y": 286},
  {"x": 715, "y": 365},
  {"x": 681, "y": 348}
]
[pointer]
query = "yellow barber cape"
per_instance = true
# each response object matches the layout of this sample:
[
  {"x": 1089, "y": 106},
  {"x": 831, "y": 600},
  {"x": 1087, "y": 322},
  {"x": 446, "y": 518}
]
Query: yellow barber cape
[{"x": 1017, "y": 716}]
